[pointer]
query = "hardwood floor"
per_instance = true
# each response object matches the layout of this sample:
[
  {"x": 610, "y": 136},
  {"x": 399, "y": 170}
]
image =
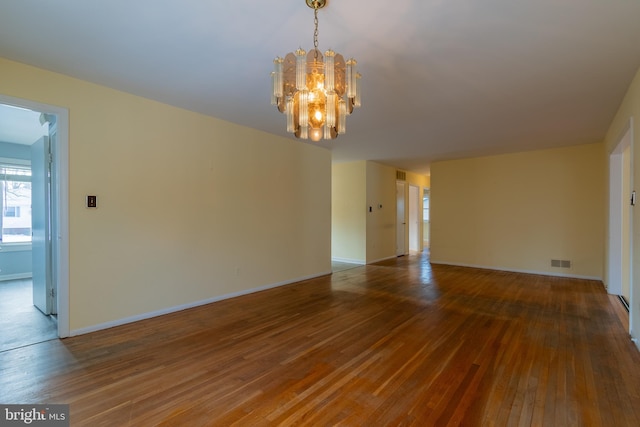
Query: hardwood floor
[{"x": 396, "y": 343}]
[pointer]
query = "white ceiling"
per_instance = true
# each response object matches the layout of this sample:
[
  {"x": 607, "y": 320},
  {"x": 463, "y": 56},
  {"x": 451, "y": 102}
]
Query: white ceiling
[
  {"x": 441, "y": 78},
  {"x": 20, "y": 125}
]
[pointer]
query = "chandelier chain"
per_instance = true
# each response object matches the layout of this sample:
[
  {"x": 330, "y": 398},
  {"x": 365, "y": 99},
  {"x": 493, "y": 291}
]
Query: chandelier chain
[{"x": 315, "y": 33}]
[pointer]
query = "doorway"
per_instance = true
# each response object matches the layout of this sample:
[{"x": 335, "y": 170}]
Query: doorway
[
  {"x": 425, "y": 218},
  {"x": 414, "y": 218},
  {"x": 401, "y": 221},
  {"x": 620, "y": 220},
  {"x": 49, "y": 265}
]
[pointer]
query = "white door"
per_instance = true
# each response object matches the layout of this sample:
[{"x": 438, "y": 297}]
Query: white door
[
  {"x": 414, "y": 218},
  {"x": 53, "y": 218},
  {"x": 40, "y": 223},
  {"x": 400, "y": 219}
]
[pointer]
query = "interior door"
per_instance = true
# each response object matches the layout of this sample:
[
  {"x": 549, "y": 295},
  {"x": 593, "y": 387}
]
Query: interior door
[
  {"x": 400, "y": 219},
  {"x": 54, "y": 232},
  {"x": 414, "y": 218},
  {"x": 40, "y": 223}
]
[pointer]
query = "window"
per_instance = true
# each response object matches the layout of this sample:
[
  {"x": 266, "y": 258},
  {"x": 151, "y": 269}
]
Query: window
[
  {"x": 15, "y": 203},
  {"x": 12, "y": 211}
]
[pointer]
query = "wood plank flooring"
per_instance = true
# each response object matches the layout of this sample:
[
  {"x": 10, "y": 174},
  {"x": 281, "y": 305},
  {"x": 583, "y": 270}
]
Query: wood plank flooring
[{"x": 397, "y": 343}]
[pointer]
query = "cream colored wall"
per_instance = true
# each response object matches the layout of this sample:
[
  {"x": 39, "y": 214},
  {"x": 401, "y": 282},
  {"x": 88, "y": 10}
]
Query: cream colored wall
[
  {"x": 630, "y": 111},
  {"x": 519, "y": 211},
  {"x": 189, "y": 207},
  {"x": 381, "y": 221},
  {"x": 348, "y": 213},
  {"x": 422, "y": 181}
]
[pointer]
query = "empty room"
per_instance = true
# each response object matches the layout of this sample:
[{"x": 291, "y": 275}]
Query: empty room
[{"x": 355, "y": 213}]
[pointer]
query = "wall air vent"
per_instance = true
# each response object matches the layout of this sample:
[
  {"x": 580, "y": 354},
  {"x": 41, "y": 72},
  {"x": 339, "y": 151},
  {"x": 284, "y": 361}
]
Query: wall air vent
[
  {"x": 401, "y": 175},
  {"x": 561, "y": 263}
]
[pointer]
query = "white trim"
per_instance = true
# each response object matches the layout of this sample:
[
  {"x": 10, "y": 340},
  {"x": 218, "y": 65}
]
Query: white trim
[
  {"x": 632, "y": 297},
  {"x": 615, "y": 250},
  {"x": 10, "y": 161},
  {"x": 514, "y": 270},
  {"x": 384, "y": 259},
  {"x": 177, "y": 308},
  {"x": 618, "y": 202},
  {"x": 15, "y": 247},
  {"x": 61, "y": 212},
  {"x": 349, "y": 261},
  {"x": 17, "y": 276}
]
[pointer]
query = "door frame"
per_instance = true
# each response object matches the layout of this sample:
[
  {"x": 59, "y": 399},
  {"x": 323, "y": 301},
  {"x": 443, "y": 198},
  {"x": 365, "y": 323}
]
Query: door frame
[
  {"x": 619, "y": 252},
  {"x": 415, "y": 240},
  {"x": 401, "y": 218},
  {"x": 59, "y": 211},
  {"x": 42, "y": 282}
]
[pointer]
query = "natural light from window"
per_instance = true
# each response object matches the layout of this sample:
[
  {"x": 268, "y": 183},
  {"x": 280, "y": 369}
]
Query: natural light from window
[{"x": 15, "y": 204}]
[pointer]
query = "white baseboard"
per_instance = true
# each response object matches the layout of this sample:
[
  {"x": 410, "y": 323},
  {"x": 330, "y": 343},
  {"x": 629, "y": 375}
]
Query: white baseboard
[
  {"x": 383, "y": 259},
  {"x": 174, "y": 309},
  {"x": 349, "y": 261},
  {"x": 513, "y": 270},
  {"x": 18, "y": 276}
]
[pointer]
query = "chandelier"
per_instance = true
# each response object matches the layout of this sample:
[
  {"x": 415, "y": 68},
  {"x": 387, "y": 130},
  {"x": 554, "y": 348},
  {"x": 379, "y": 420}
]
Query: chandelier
[{"x": 316, "y": 92}]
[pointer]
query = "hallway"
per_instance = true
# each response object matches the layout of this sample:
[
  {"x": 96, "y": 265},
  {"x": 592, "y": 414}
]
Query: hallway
[{"x": 22, "y": 324}]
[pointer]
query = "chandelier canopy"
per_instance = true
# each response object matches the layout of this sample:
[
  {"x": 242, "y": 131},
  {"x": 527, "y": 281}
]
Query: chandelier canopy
[{"x": 316, "y": 92}]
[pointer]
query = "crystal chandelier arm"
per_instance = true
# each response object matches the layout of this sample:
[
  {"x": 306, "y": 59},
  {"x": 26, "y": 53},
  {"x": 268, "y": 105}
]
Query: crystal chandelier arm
[
  {"x": 351, "y": 78},
  {"x": 342, "y": 119},
  {"x": 301, "y": 69},
  {"x": 358, "y": 100},
  {"x": 277, "y": 77},
  {"x": 274, "y": 98},
  {"x": 303, "y": 116},
  {"x": 329, "y": 70},
  {"x": 331, "y": 109},
  {"x": 291, "y": 126}
]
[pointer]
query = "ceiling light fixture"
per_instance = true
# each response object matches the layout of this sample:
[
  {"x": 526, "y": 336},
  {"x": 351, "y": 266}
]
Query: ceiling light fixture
[{"x": 315, "y": 92}]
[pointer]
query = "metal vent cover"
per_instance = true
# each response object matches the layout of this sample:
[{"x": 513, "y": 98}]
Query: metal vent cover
[{"x": 561, "y": 263}]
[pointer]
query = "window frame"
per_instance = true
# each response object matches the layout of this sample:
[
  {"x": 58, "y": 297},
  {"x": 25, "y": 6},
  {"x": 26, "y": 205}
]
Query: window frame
[{"x": 16, "y": 164}]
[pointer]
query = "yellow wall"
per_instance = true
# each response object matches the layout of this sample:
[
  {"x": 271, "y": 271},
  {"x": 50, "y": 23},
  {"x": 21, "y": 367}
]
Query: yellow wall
[
  {"x": 629, "y": 111},
  {"x": 381, "y": 221},
  {"x": 519, "y": 211},
  {"x": 190, "y": 207},
  {"x": 348, "y": 213},
  {"x": 422, "y": 181}
]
